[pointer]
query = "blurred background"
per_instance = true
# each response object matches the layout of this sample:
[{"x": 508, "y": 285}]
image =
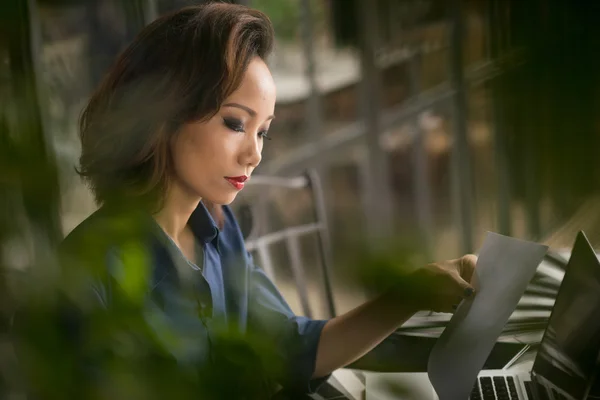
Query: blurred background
[{"x": 418, "y": 123}]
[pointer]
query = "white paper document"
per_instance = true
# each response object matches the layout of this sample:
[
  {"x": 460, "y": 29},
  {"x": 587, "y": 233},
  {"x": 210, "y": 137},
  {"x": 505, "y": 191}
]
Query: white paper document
[
  {"x": 398, "y": 386},
  {"x": 504, "y": 268},
  {"x": 346, "y": 381}
]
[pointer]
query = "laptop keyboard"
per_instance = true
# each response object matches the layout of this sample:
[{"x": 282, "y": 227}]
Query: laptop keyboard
[{"x": 494, "y": 388}]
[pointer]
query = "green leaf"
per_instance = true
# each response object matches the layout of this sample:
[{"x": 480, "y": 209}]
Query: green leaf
[{"x": 133, "y": 276}]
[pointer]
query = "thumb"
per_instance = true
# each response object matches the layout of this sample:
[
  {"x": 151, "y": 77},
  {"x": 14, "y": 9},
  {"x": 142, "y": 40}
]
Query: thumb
[{"x": 466, "y": 290}]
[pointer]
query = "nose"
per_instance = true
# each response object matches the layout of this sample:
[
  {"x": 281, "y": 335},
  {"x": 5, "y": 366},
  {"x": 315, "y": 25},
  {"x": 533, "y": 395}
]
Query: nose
[{"x": 251, "y": 154}]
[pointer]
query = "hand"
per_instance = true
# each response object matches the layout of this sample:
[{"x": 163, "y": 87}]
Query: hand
[{"x": 441, "y": 286}]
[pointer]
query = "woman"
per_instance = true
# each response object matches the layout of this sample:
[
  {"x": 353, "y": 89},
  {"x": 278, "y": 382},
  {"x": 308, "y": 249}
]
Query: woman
[{"x": 175, "y": 129}]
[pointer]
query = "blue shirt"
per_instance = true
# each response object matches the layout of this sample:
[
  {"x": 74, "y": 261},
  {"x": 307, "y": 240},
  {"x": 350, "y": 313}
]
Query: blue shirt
[{"x": 230, "y": 290}]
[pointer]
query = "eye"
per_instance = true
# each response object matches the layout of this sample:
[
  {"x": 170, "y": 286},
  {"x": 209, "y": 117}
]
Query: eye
[
  {"x": 263, "y": 135},
  {"x": 234, "y": 124}
]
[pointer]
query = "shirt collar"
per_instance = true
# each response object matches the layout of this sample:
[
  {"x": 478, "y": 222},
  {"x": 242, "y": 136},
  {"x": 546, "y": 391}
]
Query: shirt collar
[{"x": 203, "y": 225}]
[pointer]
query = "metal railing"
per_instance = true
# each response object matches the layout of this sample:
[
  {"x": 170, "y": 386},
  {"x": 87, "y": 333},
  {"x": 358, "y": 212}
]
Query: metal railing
[{"x": 291, "y": 237}]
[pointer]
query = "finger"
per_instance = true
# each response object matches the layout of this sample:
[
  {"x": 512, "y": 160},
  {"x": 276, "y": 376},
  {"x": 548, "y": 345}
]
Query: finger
[
  {"x": 465, "y": 290},
  {"x": 450, "y": 308},
  {"x": 467, "y": 266},
  {"x": 455, "y": 302},
  {"x": 446, "y": 304}
]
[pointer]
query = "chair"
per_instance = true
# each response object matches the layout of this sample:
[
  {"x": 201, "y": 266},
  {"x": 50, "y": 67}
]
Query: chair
[{"x": 252, "y": 212}]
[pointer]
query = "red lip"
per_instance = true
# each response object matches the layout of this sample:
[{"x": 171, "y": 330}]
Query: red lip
[
  {"x": 241, "y": 179},
  {"x": 237, "y": 181}
]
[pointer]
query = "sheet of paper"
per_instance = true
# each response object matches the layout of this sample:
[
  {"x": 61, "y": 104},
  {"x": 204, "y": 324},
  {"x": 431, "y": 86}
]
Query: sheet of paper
[
  {"x": 504, "y": 268},
  {"x": 398, "y": 386},
  {"x": 346, "y": 381}
]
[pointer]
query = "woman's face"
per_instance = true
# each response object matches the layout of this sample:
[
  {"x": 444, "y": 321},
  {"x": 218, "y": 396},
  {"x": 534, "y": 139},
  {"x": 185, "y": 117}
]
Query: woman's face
[{"x": 213, "y": 158}]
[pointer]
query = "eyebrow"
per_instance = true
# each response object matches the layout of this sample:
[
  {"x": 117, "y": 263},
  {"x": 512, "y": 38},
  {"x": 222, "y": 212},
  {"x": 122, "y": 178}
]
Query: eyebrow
[{"x": 247, "y": 109}]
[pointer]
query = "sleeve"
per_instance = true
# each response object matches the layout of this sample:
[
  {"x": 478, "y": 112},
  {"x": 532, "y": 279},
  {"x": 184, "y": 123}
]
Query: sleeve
[{"x": 296, "y": 338}]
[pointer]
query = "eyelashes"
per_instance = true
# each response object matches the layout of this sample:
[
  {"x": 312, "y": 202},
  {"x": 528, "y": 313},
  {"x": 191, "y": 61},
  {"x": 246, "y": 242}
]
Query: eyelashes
[
  {"x": 234, "y": 124},
  {"x": 237, "y": 126},
  {"x": 264, "y": 135}
]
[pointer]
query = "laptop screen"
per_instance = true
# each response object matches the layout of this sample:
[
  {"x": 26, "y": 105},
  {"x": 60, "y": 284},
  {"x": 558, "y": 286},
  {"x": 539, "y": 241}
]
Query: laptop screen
[{"x": 569, "y": 350}]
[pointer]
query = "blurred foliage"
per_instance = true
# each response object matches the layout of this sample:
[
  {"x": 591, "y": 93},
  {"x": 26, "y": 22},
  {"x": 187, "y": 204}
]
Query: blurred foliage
[
  {"x": 72, "y": 345},
  {"x": 55, "y": 340},
  {"x": 552, "y": 114},
  {"x": 383, "y": 266}
]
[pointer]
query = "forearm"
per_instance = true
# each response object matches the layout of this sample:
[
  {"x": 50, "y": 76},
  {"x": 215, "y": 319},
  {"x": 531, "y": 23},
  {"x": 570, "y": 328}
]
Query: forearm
[{"x": 346, "y": 338}]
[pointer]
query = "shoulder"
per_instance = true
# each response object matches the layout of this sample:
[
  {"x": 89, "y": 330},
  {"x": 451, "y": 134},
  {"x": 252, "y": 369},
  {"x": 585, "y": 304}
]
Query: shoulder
[
  {"x": 105, "y": 229},
  {"x": 102, "y": 245}
]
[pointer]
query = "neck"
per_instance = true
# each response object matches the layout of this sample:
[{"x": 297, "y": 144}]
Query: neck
[{"x": 176, "y": 211}]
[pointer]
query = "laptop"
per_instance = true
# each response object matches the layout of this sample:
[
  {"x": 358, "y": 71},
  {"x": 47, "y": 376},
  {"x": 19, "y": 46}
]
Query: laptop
[{"x": 565, "y": 364}]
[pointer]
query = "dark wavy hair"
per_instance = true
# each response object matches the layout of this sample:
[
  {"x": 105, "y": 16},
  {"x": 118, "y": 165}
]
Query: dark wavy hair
[{"x": 178, "y": 69}]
